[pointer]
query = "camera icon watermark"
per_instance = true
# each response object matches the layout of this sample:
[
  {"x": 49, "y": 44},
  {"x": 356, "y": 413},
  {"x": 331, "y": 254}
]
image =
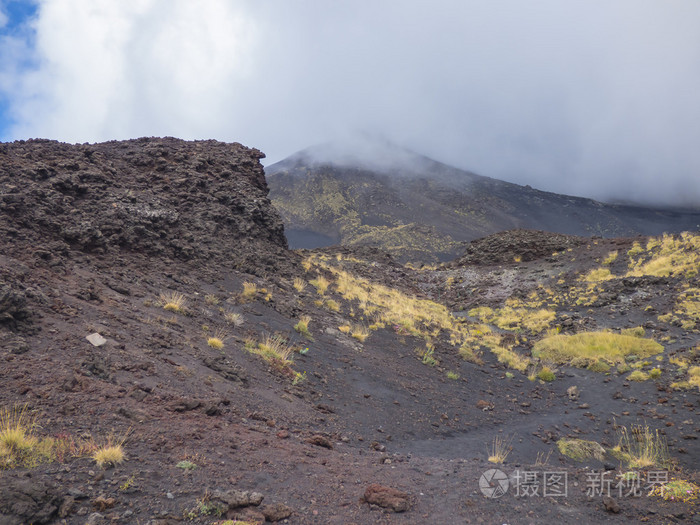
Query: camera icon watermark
[{"x": 494, "y": 483}]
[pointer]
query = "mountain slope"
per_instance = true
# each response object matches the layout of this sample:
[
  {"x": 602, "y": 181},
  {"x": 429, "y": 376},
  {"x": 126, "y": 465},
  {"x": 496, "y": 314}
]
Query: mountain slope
[
  {"x": 419, "y": 209},
  {"x": 147, "y": 301}
]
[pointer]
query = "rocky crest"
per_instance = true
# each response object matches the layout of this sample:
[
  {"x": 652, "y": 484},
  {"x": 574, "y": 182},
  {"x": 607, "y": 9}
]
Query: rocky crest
[
  {"x": 163, "y": 197},
  {"x": 516, "y": 246}
]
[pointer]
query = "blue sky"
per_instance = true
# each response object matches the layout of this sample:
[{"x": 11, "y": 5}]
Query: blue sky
[
  {"x": 587, "y": 97},
  {"x": 15, "y": 16}
]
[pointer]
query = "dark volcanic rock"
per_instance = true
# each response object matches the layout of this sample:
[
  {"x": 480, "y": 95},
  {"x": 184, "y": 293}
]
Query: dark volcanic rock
[
  {"x": 320, "y": 441},
  {"x": 386, "y": 497},
  {"x": 521, "y": 245},
  {"x": 27, "y": 501},
  {"x": 611, "y": 505},
  {"x": 238, "y": 498},
  {"x": 163, "y": 197},
  {"x": 13, "y": 307},
  {"x": 276, "y": 512}
]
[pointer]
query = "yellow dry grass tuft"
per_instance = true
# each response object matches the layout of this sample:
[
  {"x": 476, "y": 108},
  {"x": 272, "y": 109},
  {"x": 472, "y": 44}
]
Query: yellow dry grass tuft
[
  {"x": 321, "y": 284},
  {"x": 250, "y": 290},
  {"x": 109, "y": 455},
  {"x": 211, "y": 299},
  {"x": 360, "y": 332},
  {"x": 611, "y": 258},
  {"x": 392, "y": 307},
  {"x": 302, "y": 325},
  {"x": 469, "y": 354},
  {"x": 16, "y": 440},
  {"x": 635, "y": 250},
  {"x": 215, "y": 343},
  {"x": 173, "y": 302},
  {"x": 217, "y": 340},
  {"x": 299, "y": 284},
  {"x": 306, "y": 264},
  {"x": 546, "y": 374},
  {"x": 500, "y": 449},
  {"x": 511, "y": 358},
  {"x": 272, "y": 348},
  {"x": 332, "y": 305},
  {"x": 640, "y": 447},
  {"x": 638, "y": 376},
  {"x": 637, "y": 331},
  {"x": 598, "y": 275},
  {"x": 234, "y": 318}
]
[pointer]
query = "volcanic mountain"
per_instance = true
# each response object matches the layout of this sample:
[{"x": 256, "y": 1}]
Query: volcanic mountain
[{"x": 419, "y": 209}]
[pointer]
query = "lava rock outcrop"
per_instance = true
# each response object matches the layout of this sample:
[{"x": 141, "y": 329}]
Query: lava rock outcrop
[{"x": 161, "y": 197}]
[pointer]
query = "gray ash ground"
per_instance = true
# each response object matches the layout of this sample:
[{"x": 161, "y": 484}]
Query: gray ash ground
[{"x": 74, "y": 262}]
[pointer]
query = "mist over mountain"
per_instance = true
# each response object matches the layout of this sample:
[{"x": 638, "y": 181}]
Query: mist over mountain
[{"x": 372, "y": 192}]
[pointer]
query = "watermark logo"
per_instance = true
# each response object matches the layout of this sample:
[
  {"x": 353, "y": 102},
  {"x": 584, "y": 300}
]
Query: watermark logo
[{"x": 494, "y": 483}]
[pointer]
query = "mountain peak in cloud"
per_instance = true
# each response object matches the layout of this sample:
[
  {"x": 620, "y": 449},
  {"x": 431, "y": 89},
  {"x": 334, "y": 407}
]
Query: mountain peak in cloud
[{"x": 364, "y": 151}]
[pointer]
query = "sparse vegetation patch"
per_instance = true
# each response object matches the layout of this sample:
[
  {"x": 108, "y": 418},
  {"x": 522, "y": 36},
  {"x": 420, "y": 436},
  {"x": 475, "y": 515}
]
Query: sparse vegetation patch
[
  {"x": 581, "y": 449},
  {"x": 598, "y": 275},
  {"x": 692, "y": 381},
  {"x": 514, "y": 319},
  {"x": 611, "y": 258},
  {"x": 677, "y": 490},
  {"x": 586, "y": 348},
  {"x": 669, "y": 255}
]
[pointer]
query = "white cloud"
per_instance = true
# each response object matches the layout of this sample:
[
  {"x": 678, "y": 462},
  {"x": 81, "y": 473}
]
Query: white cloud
[
  {"x": 589, "y": 97},
  {"x": 130, "y": 68}
]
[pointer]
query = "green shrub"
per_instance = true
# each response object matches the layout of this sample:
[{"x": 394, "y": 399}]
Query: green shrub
[
  {"x": 546, "y": 374},
  {"x": 580, "y": 449},
  {"x": 638, "y": 375},
  {"x": 599, "y": 366},
  {"x": 655, "y": 373}
]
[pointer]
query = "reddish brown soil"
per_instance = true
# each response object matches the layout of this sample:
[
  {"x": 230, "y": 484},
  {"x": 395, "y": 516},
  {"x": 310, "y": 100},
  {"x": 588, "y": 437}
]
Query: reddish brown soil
[{"x": 366, "y": 414}]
